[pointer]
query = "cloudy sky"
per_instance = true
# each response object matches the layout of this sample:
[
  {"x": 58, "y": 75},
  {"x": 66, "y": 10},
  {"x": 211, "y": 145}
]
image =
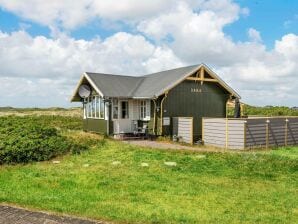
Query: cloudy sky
[{"x": 46, "y": 45}]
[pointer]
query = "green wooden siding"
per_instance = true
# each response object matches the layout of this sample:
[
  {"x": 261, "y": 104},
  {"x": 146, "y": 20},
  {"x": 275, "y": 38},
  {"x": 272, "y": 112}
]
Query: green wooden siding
[
  {"x": 95, "y": 125},
  {"x": 191, "y": 99}
]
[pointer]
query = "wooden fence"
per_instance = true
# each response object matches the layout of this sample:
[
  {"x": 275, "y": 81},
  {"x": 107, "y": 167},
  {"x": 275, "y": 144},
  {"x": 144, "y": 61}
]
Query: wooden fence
[
  {"x": 250, "y": 132},
  {"x": 183, "y": 129}
]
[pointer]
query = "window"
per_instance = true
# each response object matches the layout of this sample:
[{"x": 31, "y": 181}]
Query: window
[
  {"x": 142, "y": 109},
  {"x": 102, "y": 109},
  {"x": 124, "y": 109},
  {"x": 115, "y": 109},
  {"x": 94, "y": 107},
  {"x": 89, "y": 108},
  {"x": 97, "y": 113}
]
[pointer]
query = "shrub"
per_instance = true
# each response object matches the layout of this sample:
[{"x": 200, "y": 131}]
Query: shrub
[
  {"x": 265, "y": 111},
  {"x": 27, "y": 139}
]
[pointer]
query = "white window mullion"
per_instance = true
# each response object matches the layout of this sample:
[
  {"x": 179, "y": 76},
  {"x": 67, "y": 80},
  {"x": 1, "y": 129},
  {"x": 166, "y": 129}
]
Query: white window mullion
[
  {"x": 148, "y": 109},
  {"x": 89, "y": 107}
]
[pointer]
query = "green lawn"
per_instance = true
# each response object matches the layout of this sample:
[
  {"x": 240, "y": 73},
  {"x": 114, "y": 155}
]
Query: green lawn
[{"x": 216, "y": 188}]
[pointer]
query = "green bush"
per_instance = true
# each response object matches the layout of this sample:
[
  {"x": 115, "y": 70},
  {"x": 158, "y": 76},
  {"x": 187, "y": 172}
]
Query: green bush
[
  {"x": 60, "y": 122},
  {"x": 266, "y": 111},
  {"x": 27, "y": 139}
]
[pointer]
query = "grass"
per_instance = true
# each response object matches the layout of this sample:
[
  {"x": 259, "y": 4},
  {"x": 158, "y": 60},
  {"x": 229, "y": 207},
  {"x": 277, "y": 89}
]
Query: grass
[{"x": 244, "y": 187}]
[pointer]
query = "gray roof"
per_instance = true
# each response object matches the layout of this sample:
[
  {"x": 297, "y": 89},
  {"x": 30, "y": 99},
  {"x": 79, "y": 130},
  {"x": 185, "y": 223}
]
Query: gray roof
[
  {"x": 146, "y": 86},
  {"x": 115, "y": 85},
  {"x": 155, "y": 84}
]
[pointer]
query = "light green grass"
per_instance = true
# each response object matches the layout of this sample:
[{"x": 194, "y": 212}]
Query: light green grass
[
  {"x": 220, "y": 188},
  {"x": 290, "y": 152}
]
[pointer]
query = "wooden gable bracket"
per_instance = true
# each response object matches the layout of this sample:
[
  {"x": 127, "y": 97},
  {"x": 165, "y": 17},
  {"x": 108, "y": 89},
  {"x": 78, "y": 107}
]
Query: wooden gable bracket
[
  {"x": 197, "y": 75},
  {"x": 200, "y": 76}
]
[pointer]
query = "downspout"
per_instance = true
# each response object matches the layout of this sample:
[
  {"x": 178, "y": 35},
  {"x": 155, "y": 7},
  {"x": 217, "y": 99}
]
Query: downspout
[
  {"x": 108, "y": 103},
  {"x": 154, "y": 117},
  {"x": 161, "y": 112}
]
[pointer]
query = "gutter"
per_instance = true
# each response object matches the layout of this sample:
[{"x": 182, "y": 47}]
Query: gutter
[{"x": 161, "y": 112}]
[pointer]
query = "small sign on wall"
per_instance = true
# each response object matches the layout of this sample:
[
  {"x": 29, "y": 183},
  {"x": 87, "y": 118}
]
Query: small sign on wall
[
  {"x": 195, "y": 90},
  {"x": 166, "y": 121}
]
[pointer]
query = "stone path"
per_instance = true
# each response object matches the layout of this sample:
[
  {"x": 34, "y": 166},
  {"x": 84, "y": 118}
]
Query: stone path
[
  {"x": 12, "y": 215},
  {"x": 168, "y": 145}
]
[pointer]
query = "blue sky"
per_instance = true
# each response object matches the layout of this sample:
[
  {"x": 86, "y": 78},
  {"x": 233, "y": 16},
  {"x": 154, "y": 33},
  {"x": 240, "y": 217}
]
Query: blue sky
[
  {"x": 272, "y": 18},
  {"x": 252, "y": 45}
]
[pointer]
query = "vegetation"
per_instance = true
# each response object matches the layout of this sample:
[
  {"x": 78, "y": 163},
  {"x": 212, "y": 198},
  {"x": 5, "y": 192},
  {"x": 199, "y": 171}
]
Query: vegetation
[
  {"x": 27, "y": 139},
  {"x": 34, "y": 109},
  {"x": 53, "y": 111},
  {"x": 108, "y": 182},
  {"x": 265, "y": 111}
]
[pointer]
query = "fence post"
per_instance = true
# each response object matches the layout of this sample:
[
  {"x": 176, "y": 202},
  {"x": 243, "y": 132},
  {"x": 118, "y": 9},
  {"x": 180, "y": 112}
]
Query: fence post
[
  {"x": 227, "y": 133},
  {"x": 286, "y": 132},
  {"x": 267, "y": 133},
  {"x": 203, "y": 130},
  {"x": 192, "y": 130},
  {"x": 244, "y": 134}
]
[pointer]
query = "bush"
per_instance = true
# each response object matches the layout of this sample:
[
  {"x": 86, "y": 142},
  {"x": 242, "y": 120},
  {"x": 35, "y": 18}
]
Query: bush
[
  {"x": 27, "y": 139},
  {"x": 60, "y": 122},
  {"x": 265, "y": 111}
]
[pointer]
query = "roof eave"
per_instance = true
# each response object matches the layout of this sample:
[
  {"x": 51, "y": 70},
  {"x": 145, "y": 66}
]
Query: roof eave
[
  {"x": 142, "y": 97},
  {"x": 72, "y": 99},
  {"x": 93, "y": 85},
  {"x": 222, "y": 83}
]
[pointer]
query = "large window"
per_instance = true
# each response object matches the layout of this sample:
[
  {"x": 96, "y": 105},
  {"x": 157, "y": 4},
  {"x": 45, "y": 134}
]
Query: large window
[
  {"x": 124, "y": 109},
  {"x": 94, "y": 107}
]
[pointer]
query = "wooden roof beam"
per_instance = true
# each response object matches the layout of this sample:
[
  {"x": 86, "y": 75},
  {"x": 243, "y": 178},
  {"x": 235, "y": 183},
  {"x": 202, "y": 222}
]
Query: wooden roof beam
[
  {"x": 202, "y": 80},
  {"x": 202, "y": 75}
]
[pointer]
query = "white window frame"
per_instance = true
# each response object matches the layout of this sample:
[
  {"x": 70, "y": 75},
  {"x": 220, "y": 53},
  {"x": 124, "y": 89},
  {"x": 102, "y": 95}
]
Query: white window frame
[{"x": 94, "y": 107}]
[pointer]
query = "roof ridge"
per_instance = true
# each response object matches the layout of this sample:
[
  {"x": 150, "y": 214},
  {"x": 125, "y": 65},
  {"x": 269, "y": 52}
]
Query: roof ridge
[
  {"x": 171, "y": 70},
  {"x": 138, "y": 85},
  {"x": 130, "y": 76},
  {"x": 143, "y": 76}
]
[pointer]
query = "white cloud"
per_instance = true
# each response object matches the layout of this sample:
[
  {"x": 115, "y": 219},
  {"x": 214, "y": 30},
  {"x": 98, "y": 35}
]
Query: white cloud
[
  {"x": 163, "y": 58},
  {"x": 70, "y": 14},
  {"x": 41, "y": 67},
  {"x": 199, "y": 36},
  {"x": 254, "y": 35},
  {"x": 287, "y": 46},
  {"x": 180, "y": 33}
]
